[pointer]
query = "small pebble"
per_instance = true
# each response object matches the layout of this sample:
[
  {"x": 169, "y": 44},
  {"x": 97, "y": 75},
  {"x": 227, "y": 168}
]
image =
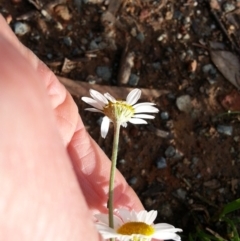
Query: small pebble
[
  {"x": 93, "y": 45},
  {"x": 190, "y": 53},
  {"x": 9, "y": 18},
  {"x": 134, "y": 32},
  {"x": 236, "y": 138},
  {"x": 58, "y": 26},
  {"x": 156, "y": 65},
  {"x": 170, "y": 151},
  {"x": 211, "y": 81},
  {"x": 149, "y": 202},
  {"x": 84, "y": 41},
  {"x": 198, "y": 12},
  {"x": 209, "y": 69},
  {"x": 178, "y": 155},
  {"x": 221, "y": 190},
  {"x": 177, "y": 15},
  {"x": 140, "y": 37},
  {"x": 102, "y": 45},
  {"x": 181, "y": 193},
  {"x": 122, "y": 161},
  {"x": 171, "y": 96},
  {"x": 45, "y": 14},
  {"x": 186, "y": 36},
  {"x": 49, "y": 56},
  {"x": 21, "y": 28},
  {"x": 195, "y": 4},
  {"x": 104, "y": 72},
  {"x": 198, "y": 176},
  {"x": 183, "y": 55},
  {"x": 76, "y": 51},
  {"x": 133, "y": 180},
  {"x": 190, "y": 201},
  {"x": 232, "y": 150},
  {"x": 179, "y": 36},
  {"x": 192, "y": 66},
  {"x": 195, "y": 160},
  {"x": 213, "y": 26},
  {"x": 186, "y": 20},
  {"x": 98, "y": 39},
  {"x": 227, "y": 130},
  {"x": 161, "y": 163},
  {"x": 69, "y": 27},
  {"x": 63, "y": 12},
  {"x": 228, "y": 7},
  {"x": 164, "y": 115},
  {"x": 68, "y": 41},
  {"x": 184, "y": 103},
  {"x": 165, "y": 210},
  {"x": 133, "y": 80},
  {"x": 161, "y": 37}
]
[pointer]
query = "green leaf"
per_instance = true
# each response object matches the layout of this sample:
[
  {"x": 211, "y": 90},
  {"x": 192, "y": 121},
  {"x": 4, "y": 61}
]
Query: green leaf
[
  {"x": 233, "y": 229},
  {"x": 208, "y": 237},
  {"x": 230, "y": 207}
]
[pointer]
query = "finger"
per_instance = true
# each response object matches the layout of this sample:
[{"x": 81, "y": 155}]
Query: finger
[
  {"x": 40, "y": 196},
  {"x": 67, "y": 117},
  {"x": 55, "y": 89},
  {"x": 93, "y": 170},
  {"x": 65, "y": 111}
]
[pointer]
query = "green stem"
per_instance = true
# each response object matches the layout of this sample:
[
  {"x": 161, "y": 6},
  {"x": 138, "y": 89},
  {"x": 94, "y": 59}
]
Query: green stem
[{"x": 112, "y": 173}]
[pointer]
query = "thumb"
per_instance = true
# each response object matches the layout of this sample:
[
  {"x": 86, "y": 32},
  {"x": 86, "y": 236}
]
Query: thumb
[{"x": 40, "y": 198}]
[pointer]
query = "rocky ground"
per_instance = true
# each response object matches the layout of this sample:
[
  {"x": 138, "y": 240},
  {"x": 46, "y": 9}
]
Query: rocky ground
[{"x": 184, "y": 56}]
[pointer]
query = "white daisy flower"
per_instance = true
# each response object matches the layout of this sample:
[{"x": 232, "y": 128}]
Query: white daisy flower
[
  {"x": 133, "y": 226},
  {"x": 118, "y": 111}
]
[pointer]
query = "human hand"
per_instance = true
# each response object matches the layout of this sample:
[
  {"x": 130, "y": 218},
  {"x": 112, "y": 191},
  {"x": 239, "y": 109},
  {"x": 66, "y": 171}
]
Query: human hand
[{"x": 53, "y": 176}]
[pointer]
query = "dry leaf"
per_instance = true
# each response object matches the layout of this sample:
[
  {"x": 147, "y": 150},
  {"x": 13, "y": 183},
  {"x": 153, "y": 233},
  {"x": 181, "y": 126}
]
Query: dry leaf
[
  {"x": 80, "y": 88},
  {"x": 228, "y": 64},
  {"x": 69, "y": 65}
]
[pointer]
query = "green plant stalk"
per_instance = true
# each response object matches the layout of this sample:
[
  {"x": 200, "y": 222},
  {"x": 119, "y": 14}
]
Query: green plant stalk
[{"x": 112, "y": 173}]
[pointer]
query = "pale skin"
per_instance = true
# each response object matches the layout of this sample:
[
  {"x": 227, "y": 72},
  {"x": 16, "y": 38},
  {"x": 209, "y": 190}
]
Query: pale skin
[{"x": 53, "y": 176}]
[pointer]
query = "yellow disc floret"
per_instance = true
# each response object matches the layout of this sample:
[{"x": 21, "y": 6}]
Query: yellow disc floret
[
  {"x": 132, "y": 228},
  {"x": 119, "y": 111}
]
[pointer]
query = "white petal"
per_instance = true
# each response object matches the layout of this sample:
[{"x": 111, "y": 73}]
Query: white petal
[
  {"x": 93, "y": 110},
  {"x": 106, "y": 231},
  {"x": 93, "y": 102},
  {"x": 147, "y": 217},
  {"x": 146, "y": 109},
  {"x": 105, "y": 126},
  {"x": 137, "y": 121},
  {"x": 166, "y": 235},
  {"x": 163, "y": 226},
  {"x": 133, "y": 96},
  {"x": 144, "y": 103},
  {"x": 109, "y": 97},
  {"x": 127, "y": 216},
  {"x": 98, "y": 97},
  {"x": 103, "y": 218},
  {"x": 166, "y": 231},
  {"x": 141, "y": 216},
  {"x": 151, "y": 216},
  {"x": 144, "y": 116}
]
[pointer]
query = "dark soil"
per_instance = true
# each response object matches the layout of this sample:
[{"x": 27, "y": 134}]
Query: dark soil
[{"x": 184, "y": 163}]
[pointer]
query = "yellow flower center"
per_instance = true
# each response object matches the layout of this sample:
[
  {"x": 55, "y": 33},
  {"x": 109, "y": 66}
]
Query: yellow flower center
[
  {"x": 119, "y": 111},
  {"x": 132, "y": 228}
]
